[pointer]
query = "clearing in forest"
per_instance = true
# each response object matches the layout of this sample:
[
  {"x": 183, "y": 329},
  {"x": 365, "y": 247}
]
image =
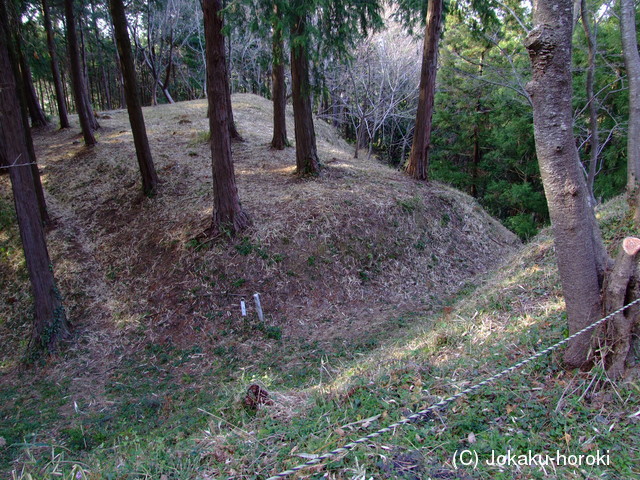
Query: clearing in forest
[{"x": 342, "y": 262}]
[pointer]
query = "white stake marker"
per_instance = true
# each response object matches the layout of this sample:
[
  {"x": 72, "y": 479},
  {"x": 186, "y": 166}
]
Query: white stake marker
[{"x": 256, "y": 298}]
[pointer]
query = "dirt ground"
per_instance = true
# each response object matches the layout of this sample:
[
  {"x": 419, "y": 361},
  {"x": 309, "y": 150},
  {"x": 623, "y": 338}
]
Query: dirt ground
[{"x": 339, "y": 260}]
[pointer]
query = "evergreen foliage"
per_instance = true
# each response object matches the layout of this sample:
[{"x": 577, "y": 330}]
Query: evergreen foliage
[{"x": 362, "y": 80}]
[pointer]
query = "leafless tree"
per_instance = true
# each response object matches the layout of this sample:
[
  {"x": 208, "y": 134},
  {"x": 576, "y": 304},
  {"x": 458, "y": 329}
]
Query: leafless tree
[
  {"x": 376, "y": 92},
  {"x": 161, "y": 30}
]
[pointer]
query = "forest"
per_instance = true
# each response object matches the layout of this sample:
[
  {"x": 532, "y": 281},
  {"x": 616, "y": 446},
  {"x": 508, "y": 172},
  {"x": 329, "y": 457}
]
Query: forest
[
  {"x": 367, "y": 85},
  {"x": 236, "y": 235}
]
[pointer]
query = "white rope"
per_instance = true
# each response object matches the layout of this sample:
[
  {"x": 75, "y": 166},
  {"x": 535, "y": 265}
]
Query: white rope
[
  {"x": 426, "y": 413},
  {"x": 18, "y": 165},
  {"x": 14, "y": 164}
]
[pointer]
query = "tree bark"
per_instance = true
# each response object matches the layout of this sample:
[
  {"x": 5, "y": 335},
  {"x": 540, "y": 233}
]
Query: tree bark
[
  {"x": 279, "y": 87},
  {"x": 632, "y": 64},
  {"x": 50, "y": 323},
  {"x": 88, "y": 105},
  {"x": 620, "y": 284},
  {"x": 572, "y": 218},
  {"x": 167, "y": 74},
  {"x": 55, "y": 70},
  {"x": 231, "y": 124},
  {"x": 306, "y": 151},
  {"x": 134, "y": 107},
  {"x": 418, "y": 164},
  {"x": 24, "y": 115},
  {"x": 78, "y": 84},
  {"x": 228, "y": 215}
]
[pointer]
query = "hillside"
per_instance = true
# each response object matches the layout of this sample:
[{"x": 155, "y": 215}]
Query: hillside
[
  {"x": 541, "y": 409},
  {"x": 343, "y": 263}
]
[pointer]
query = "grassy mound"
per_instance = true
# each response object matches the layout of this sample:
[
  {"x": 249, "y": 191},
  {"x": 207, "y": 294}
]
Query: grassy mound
[
  {"x": 160, "y": 352},
  {"x": 540, "y": 410}
]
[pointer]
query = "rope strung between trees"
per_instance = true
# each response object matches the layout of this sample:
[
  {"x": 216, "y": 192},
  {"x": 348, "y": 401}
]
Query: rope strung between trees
[
  {"x": 426, "y": 413},
  {"x": 18, "y": 165}
]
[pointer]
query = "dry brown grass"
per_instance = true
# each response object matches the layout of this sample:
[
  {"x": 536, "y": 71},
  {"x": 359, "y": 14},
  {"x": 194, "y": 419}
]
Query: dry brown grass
[{"x": 334, "y": 258}]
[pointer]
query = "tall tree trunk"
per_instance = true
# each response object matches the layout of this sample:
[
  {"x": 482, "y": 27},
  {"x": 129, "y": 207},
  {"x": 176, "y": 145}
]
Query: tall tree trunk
[
  {"x": 37, "y": 115},
  {"x": 106, "y": 83},
  {"x": 55, "y": 71},
  {"x": 227, "y": 212},
  {"x": 154, "y": 91},
  {"x": 88, "y": 103},
  {"x": 279, "y": 87},
  {"x": 50, "y": 323},
  {"x": 231, "y": 124},
  {"x": 24, "y": 115},
  {"x": 632, "y": 63},
  {"x": 418, "y": 164},
  {"x": 167, "y": 74},
  {"x": 77, "y": 77},
  {"x": 572, "y": 218},
  {"x": 591, "y": 99},
  {"x": 134, "y": 108},
  {"x": 361, "y": 132},
  {"x": 306, "y": 151},
  {"x": 119, "y": 76}
]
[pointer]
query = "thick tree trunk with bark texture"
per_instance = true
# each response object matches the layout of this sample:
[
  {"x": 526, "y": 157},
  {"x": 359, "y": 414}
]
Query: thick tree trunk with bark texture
[
  {"x": 549, "y": 46},
  {"x": 55, "y": 71},
  {"x": 632, "y": 64},
  {"x": 279, "y": 87},
  {"x": 50, "y": 324},
  {"x": 227, "y": 211},
  {"x": 79, "y": 87},
  {"x": 619, "y": 290},
  {"x": 418, "y": 164},
  {"x": 306, "y": 151},
  {"x": 24, "y": 115},
  {"x": 134, "y": 107}
]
